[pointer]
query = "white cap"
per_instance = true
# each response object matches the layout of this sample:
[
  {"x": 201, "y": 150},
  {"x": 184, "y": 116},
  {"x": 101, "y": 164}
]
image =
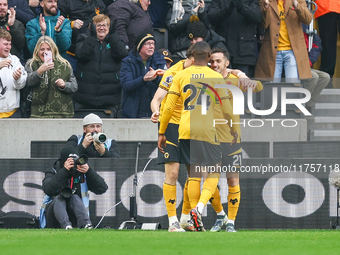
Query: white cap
[{"x": 92, "y": 119}]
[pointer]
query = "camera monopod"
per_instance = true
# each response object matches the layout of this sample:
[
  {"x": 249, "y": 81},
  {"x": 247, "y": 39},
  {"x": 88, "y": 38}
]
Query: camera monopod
[
  {"x": 311, "y": 31},
  {"x": 133, "y": 223}
]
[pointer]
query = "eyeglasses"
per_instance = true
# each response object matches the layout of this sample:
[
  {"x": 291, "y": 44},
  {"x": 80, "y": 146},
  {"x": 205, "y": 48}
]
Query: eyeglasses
[
  {"x": 101, "y": 25},
  {"x": 149, "y": 44}
]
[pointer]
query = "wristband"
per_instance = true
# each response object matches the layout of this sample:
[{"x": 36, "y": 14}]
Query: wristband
[{"x": 239, "y": 73}]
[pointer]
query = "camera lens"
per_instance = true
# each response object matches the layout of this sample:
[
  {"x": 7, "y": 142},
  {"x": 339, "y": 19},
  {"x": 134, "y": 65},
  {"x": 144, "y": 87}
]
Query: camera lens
[{"x": 102, "y": 138}]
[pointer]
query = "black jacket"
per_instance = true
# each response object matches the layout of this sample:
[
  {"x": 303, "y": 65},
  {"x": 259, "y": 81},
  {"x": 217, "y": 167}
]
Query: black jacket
[
  {"x": 22, "y": 9},
  {"x": 178, "y": 37},
  {"x": 98, "y": 70},
  {"x": 238, "y": 25},
  {"x": 54, "y": 181},
  {"x": 130, "y": 20},
  {"x": 90, "y": 151},
  {"x": 80, "y": 9},
  {"x": 17, "y": 32},
  {"x": 182, "y": 42}
]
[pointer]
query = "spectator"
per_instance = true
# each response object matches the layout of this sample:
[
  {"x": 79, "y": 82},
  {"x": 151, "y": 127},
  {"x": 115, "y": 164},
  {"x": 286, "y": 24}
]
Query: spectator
[
  {"x": 100, "y": 55},
  {"x": 12, "y": 78},
  {"x": 80, "y": 14},
  {"x": 33, "y": 4},
  {"x": 108, "y": 2},
  {"x": 236, "y": 21},
  {"x": 158, "y": 11},
  {"x": 66, "y": 185},
  {"x": 52, "y": 81},
  {"x": 167, "y": 56},
  {"x": 139, "y": 77},
  {"x": 9, "y": 22},
  {"x": 196, "y": 32},
  {"x": 328, "y": 16},
  {"x": 283, "y": 44},
  {"x": 86, "y": 144},
  {"x": 23, "y": 11},
  {"x": 178, "y": 19},
  {"x": 131, "y": 17},
  {"x": 50, "y": 23},
  {"x": 320, "y": 79}
]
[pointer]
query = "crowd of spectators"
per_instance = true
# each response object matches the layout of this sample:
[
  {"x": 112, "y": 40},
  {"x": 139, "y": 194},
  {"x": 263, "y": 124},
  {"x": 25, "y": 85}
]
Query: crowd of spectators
[{"x": 104, "y": 52}]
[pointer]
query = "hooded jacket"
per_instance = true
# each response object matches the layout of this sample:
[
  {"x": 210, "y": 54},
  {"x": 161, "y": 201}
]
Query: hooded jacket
[{"x": 62, "y": 39}]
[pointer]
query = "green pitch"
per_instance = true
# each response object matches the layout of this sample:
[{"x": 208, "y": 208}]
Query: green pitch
[{"x": 106, "y": 241}]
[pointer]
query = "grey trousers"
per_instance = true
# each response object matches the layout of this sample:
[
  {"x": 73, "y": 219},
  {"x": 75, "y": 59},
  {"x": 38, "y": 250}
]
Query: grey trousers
[
  {"x": 63, "y": 212},
  {"x": 316, "y": 84}
]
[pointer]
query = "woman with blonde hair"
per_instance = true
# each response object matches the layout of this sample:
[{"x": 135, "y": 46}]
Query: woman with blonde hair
[{"x": 52, "y": 81}]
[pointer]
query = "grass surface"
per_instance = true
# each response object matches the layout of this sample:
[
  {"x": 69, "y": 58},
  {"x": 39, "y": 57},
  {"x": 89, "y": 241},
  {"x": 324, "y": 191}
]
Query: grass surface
[{"x": 108, "y": 241}]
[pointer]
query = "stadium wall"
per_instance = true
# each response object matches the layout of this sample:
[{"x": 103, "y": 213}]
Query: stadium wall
[
  {"x": 271, "y": 199},
  {"x": 17, "y": 134}
]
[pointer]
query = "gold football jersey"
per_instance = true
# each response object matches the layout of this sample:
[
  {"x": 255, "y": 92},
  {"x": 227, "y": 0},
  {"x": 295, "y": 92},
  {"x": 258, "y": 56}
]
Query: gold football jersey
[{"x": 196, "y": 87}]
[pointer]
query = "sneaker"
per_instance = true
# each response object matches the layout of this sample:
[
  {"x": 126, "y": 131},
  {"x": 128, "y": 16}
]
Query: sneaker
[
  {"x": 88, "y": 226},
  {"x": 197, "y": 219},
  {"x": 175, "y": 227},
  {"x": 219, "y": 223},
  {"x": 68, "y": 227},
  {"x": 230, "y": 227},
  {"x": 188, "y": 225}
]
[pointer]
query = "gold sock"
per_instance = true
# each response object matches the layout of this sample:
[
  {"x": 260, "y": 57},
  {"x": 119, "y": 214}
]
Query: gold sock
[
  {"x": 194, "y": 191},
  {"x": 209, "y": 187},
  {"x": 169, "y": 193},
  {"x": 186, "y": 203},
  {"x": 215, "y": 201},
  {"x": 234, "y": 198}
]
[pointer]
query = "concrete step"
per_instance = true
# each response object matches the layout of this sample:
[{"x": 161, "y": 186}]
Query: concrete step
[
  {"x": 323, "y": 123},
  {"x": 324, "y": 135},
  {"x": 326, "y": 109},
  {"x": 329, "y": 96}
]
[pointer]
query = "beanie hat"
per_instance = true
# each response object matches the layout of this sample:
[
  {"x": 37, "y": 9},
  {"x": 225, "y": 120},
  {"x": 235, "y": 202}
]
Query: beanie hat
[
  {"x": 196, "y": 28},
  {"x": 92, "y": 119},
  {"x": 68, "y": 152},
  {"x": 142, "y": 38},
  {"x": 166, "y": 53}
]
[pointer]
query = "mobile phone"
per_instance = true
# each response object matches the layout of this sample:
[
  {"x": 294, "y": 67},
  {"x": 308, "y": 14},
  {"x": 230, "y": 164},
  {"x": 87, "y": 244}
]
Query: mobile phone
[{"x": 48, "y": 57}]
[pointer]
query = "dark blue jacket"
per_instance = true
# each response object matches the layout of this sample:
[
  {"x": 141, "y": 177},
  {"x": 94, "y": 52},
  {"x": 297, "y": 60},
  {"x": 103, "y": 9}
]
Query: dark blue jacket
[
  {"x": 61, "y": 39},
  {"x": 133, "y": 85},
  {"x": 22, "y": 9},
  {"x": 315, "y": 52}
]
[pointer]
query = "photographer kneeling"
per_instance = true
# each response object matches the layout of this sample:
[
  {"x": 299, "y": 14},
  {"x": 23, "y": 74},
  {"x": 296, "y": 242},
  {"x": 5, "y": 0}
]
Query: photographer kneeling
[{"x": 66, "y": 203}]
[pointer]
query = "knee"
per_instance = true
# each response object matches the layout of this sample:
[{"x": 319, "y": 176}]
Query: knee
[
  {"x": 171, "y": 174},
  {"x": 232, "y": 182}
]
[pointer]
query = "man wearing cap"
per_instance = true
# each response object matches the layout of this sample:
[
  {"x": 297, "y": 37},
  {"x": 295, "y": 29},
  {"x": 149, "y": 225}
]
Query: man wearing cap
[
  {"x": 167, "y": 56},
  {"x": 139, "y": 77},
  {"x": 66, "y": 185},
  {"x": 92, "y": 124}
]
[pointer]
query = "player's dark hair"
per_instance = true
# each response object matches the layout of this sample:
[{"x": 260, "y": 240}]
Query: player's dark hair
[
  {"x": 220, "y": 50},
  {"x": 200, "y": 50}
]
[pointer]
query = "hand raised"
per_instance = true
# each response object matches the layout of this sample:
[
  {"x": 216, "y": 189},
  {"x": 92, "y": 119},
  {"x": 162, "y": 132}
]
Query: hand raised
[{"x": 11, "y": 16}]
